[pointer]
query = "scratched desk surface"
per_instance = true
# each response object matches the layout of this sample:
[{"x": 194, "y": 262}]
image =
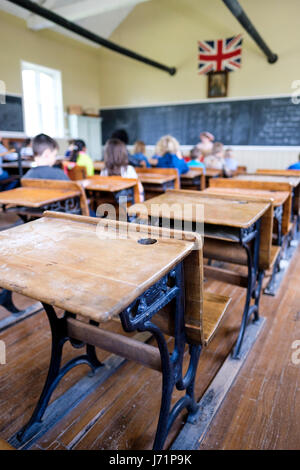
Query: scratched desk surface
[
  {"x": 231, "y": 211},
  {"x": 60, "y": 260}
]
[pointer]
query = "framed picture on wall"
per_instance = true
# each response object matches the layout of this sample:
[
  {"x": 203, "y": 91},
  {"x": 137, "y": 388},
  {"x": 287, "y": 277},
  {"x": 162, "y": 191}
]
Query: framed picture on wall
[{"x": 217, "y": 84}]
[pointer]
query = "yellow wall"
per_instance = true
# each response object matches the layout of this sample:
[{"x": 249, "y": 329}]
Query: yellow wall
[
  {"x": 78, "y": 62},
  {"x": 168, "y": 31}
]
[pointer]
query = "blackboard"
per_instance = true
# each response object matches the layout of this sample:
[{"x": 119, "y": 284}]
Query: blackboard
[
  {"x": 272, "y": 121},
  {"x": 11, "y": 114}
]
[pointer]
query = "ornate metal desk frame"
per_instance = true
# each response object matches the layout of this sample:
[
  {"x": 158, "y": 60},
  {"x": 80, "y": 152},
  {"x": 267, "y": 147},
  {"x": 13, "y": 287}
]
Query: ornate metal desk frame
[{"x": 137, "y": 317}]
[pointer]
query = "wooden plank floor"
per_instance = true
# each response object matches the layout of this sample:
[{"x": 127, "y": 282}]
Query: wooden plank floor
[{"x": 261, "y": 410}]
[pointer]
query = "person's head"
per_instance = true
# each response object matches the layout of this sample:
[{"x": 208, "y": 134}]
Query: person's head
[
  {"x": 139, "y": 147},
  {"x": 122, "y": 135},
  {"x": 218, "y": 149},
  {"x": 45, "y": 150},
  {"x": 27, "y": 143},
  {"x": 206, "y": 137},
  {"x": 195, "y": 153},
  {"x": 78, "y": 146},
  {"x": 228, "y": 153},
  {"x": 167, "y": 144},
  {"x": 115, "y": 156}
]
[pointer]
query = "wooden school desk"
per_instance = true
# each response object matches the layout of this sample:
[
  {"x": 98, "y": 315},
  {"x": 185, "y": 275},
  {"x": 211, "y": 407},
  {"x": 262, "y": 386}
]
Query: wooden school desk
[
  {"x": 37, "y": 195},
  {"x": 29, "y": 202},
  {"x": 193, "y": 179},
  {"x": 279, "y": 192},
  {"x": 110, "y": 190},
  {"x": 281, "y": 198},
  {"x": 293, "y": 180},
  {"x": 121, "y": 274},
  {"x": 158, "y": 180},
  {"x": 236, "y": 231}
]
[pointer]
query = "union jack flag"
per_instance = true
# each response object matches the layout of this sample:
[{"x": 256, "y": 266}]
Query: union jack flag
[{"x": 219, "y": 55}]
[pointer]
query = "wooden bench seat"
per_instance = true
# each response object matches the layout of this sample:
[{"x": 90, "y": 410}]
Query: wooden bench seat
[
  {"x": 214, "y": 308},
  {"x": 275, "y": 252}
]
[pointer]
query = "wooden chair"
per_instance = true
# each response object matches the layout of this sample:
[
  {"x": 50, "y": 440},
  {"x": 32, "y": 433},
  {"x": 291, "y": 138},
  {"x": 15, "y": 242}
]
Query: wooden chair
[
  {"x": 77, "y": 173},
  {"x": 160, "y": 270}
]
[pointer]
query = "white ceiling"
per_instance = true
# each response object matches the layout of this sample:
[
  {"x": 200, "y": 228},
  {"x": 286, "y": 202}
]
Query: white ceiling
[{"x": 101, "y": 17}]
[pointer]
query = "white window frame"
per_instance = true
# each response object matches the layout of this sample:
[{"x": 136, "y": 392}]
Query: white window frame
[{"x": 59, "y": 108}]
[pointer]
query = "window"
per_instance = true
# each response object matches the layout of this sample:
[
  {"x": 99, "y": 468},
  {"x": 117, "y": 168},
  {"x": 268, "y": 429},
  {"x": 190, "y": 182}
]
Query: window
[{"x": 43, "y": 106}]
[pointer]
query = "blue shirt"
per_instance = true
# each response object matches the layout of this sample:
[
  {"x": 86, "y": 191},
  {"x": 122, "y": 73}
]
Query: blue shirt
[
  {"x": 295, "y": 166},
  {"x": 2, "y": 150},
  {"x": 140, "y": 157},
  {"x": 170, "y": 160},
  {"x": 196, "y": 164},
  {"x": 231, "y": 164}
]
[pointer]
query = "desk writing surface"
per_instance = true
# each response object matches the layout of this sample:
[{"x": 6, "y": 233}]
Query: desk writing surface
[
  {"x": 191, "y": 174},
  {"x": 210, "y": 172},
  {"x": 278, "y": 197},
  {"x": 218, "y": 210},
  {"x": 155, "y": 178},
  {"x": 35, "y": 197},
  {"x": 107, "y": 184},
  {"x": 292, "y": 180},
  {"x": 60, "y": 260}
]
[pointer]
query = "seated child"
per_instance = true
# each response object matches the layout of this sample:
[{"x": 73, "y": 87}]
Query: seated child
[
  {"x": 139, "y": 151},
  {"x": 168, "y": 155},
  {"x": 116, "y": 162},
  {"x": 295, "y": 166},
  {"x": 230, "y": 161},
  {"x": 206, "y": 144},
  {"x": 26, "y": 150},
  {"x": 3, "y": 173},
  {"x": 81, "y": 158},
  {"x": 70, "y": 148},
  {"x": 195, "y": 158},
  {"x": 45, "y": 152},
  {"x": 215, "y": 160}
]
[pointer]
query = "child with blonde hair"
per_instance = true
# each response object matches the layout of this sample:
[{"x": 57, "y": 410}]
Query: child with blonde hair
[
  {"x": 168, "y": 155},
  {"x": 139, "y": 153}
]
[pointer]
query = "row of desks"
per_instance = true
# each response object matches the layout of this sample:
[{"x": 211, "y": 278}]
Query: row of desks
[{"x": 137, "y": 275}]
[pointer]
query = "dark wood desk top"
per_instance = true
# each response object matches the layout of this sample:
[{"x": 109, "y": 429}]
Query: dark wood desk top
[
  {"x": 62, "y": 260},
  {"x": 230, "y": 211},
  {"x": 278, "y": 197}
]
